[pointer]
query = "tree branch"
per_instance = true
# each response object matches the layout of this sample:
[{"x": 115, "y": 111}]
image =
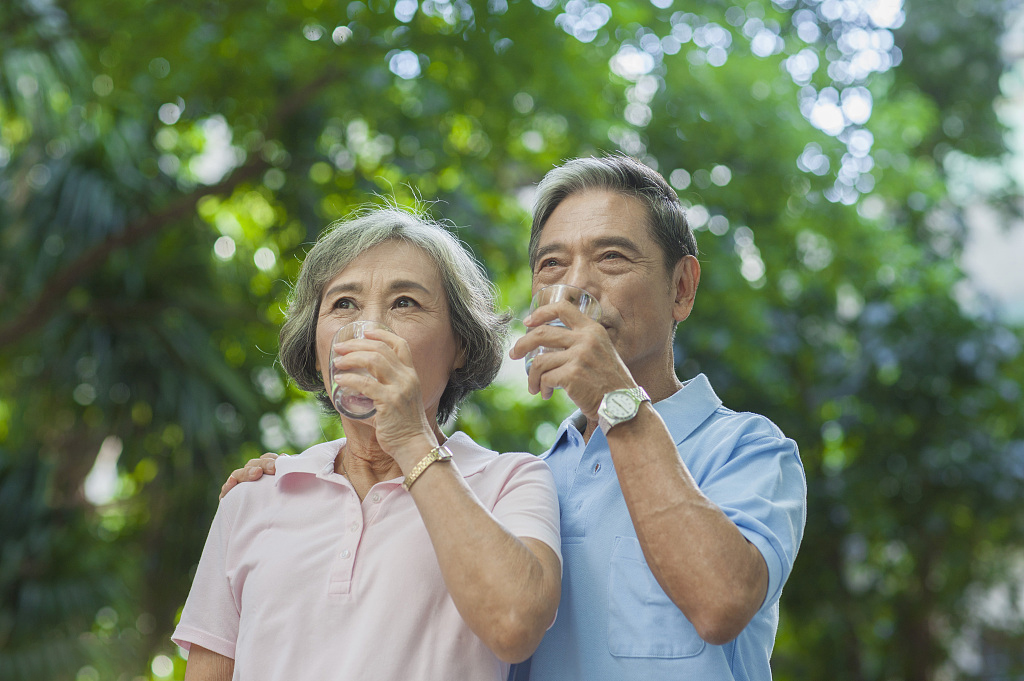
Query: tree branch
[{"x": 40, "y": 309}]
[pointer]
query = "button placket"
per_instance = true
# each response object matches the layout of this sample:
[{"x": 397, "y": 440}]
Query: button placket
[{"x": 345, "y": 558}]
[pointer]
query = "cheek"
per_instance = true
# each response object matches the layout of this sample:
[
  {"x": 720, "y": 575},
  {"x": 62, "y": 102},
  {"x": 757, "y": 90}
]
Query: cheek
[
  {"x": 434, "y": 366},
  {"x": 323, "y": 348}
]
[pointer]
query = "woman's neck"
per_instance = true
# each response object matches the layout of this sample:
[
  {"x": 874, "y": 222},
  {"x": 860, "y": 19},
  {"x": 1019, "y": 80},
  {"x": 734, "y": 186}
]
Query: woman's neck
[{"x": 365, "y": 464}]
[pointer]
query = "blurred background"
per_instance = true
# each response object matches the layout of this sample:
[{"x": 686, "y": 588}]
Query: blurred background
[{"x": 853, "y": 169}]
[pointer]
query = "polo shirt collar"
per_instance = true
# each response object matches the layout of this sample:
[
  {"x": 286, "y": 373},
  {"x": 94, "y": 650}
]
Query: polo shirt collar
[
  {"x": 688, "y": 407},
  {"x": 470, "y": 457},
  {"x": 682, "y": 412},
  {"x": 317, "y": 460}
]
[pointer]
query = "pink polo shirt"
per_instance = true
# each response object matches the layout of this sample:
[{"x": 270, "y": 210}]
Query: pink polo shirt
[{"x": 300, "y": 580}]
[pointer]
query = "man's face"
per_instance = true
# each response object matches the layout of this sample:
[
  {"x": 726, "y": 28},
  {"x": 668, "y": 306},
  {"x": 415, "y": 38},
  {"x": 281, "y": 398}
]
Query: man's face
[{"x": 599, "y": 240}]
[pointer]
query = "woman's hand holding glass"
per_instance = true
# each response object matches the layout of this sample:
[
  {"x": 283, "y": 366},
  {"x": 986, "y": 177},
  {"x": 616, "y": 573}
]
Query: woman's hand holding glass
[
  {"x": 372, "y": 375},
  {"x": 347, "y": 400}
]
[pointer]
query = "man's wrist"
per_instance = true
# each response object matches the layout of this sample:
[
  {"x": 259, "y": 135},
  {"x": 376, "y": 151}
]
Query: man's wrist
[{"x": 620, "y": 406}]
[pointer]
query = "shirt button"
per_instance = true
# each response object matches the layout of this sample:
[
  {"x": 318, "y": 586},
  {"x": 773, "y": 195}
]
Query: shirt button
[
  {"x": 345, "y": 553},
  {"x": 354, "y": 527},
  {"x": 375, "y": 498}
]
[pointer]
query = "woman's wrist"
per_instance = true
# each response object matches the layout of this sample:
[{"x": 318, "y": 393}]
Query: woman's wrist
[{"x": 410, "y": 452}]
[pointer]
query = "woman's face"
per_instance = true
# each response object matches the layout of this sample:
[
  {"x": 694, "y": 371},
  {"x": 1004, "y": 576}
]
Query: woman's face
[{"x": 398, "y": 284}]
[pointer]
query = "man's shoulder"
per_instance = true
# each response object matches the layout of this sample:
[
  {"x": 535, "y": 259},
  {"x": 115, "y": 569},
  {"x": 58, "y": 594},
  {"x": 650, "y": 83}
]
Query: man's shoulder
[
  {"x": 749, "y": 424},
  {"x": 728, "y": 435}
]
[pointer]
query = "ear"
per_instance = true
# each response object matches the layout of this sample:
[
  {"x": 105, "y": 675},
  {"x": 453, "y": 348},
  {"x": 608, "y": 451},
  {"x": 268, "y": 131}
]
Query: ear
[{"x": 685, "y": 279}]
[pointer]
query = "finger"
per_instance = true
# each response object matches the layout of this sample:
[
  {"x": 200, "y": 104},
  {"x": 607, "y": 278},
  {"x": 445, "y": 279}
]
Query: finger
[
  {"x": 542, "y": 336},
  {"x": 227, "y": 486},
  {"x": 353, "y": 345},
  {"x": 353, "y": 383},
  {"x": 569, "y": 314},
  {"x": 540, "y": 371},
  {"x": 265, "y": 464},
  {"x": 389, "y": 337},
  {"x": 398, "y": 345},
  {"x": 542, "y": 315},
  {"x": 377, "y": 340},
  {"x": 375, "y": 359},
  {"x": 549, "y": 382},
  {"x": 561, "y": 310},
  {"x": 522, "y": 346}
]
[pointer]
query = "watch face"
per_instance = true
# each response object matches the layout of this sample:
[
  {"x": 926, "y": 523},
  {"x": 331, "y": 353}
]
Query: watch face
[{"x": 620, "y": 406}]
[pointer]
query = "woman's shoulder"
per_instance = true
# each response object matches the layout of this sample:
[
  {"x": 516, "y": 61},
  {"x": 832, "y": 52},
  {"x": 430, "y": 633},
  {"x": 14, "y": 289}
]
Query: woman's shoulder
[
  {"x": 473, "y": 458},
  {"x": 258, "y": 493}
]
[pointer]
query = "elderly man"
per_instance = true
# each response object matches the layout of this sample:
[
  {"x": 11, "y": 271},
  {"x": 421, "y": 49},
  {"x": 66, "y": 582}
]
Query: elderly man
[{"x": 680, "y": 518}]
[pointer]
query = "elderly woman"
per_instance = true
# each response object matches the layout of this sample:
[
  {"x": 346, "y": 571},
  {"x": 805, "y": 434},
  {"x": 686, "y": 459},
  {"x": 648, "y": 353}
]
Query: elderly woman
[{"x": 377, "y": 556}]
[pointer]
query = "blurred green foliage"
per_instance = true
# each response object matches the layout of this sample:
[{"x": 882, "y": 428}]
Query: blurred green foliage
[{"x": 163, "y": 166}]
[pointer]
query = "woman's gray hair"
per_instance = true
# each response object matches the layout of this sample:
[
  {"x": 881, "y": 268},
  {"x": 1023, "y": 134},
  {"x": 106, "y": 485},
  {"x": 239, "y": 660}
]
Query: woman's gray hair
[
  {"x": 625, "y": 175},
  {"x": 471, "y": 298}
]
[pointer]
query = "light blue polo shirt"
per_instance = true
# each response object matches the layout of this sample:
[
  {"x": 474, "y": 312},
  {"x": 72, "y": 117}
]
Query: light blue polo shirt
[{"x": 614, "y": 621}]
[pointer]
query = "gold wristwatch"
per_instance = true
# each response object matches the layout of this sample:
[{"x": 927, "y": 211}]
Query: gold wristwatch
[{"x": 438, "y": 453}]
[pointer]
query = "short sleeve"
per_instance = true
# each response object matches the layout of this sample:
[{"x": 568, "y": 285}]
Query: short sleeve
[
  {"x": 760, "y": 486},
  {"x": 211, "y": 613},
  {"x": 528, "y": 504}
]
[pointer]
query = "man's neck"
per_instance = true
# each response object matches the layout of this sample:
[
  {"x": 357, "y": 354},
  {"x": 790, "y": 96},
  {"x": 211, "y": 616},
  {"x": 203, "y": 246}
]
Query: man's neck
[{"x": 659, "y": 385}]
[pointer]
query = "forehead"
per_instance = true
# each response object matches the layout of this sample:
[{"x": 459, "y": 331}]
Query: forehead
[
  {"x": 392, "y": 260},
  {"x": 592, "y": 215}
]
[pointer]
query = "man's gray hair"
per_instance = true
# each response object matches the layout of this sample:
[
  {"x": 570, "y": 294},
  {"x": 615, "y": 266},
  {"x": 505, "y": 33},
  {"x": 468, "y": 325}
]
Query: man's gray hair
[
  {"x": 622, "y": 174},
  {"x": 479, "y": 329}
]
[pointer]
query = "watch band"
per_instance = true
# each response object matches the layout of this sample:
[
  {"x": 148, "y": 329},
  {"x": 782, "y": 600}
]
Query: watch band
[{"x": 438, "y": 453}]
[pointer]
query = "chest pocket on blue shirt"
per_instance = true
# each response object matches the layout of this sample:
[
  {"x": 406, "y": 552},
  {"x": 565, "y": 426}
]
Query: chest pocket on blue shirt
[{"x": 642, "y": 621}]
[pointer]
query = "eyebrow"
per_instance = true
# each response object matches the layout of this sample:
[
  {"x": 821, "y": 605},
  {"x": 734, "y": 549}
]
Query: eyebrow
[
  {"x": 398, "y": 285},
  {"x": 602, "y": 242}
]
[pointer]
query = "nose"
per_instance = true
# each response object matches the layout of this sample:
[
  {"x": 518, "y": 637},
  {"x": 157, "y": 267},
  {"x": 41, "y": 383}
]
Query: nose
[
  {"x": 374, "y": 313},
  {"x": 581, "y": 276}
]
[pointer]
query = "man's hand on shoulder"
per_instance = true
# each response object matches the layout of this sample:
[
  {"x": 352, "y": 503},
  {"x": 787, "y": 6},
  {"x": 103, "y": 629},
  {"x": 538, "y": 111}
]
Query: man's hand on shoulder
[{"x": 252, "y": 470}]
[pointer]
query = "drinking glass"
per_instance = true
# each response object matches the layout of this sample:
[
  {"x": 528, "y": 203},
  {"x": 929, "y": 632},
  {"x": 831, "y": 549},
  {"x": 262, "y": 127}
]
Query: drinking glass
[
  {"x": 349, "y": 402},
  {"x": 583, "y": 301}
]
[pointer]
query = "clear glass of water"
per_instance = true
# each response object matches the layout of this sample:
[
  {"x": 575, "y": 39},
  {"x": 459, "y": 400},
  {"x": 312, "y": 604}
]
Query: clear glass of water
[
  {"x": 583, "y": 301},
  {"x": 351, "y": 403}
]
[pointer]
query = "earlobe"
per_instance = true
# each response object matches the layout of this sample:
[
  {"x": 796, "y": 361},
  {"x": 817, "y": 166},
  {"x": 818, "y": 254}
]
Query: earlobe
[{"x": 685, "y": 279}]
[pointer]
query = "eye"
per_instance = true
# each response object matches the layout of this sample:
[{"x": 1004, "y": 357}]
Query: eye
[
  {"x": 405, "y": 301},
  {"x": 548, "y": 262},
  {"x": 343, "y": 304},
  {"x": 611, "y": 255}
]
